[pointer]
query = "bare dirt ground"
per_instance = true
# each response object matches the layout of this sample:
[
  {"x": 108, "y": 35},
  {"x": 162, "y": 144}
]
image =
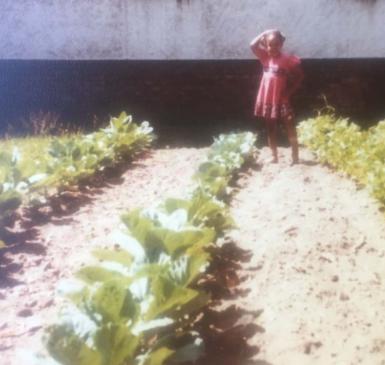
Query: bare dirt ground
[
  {"x": 310, "y": 257},
  {"x": 317, "y": 267}
]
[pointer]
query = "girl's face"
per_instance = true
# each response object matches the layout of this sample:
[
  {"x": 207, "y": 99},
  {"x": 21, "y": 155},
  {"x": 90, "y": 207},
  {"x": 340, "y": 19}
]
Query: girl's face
[{"x": 273, "y": 45}]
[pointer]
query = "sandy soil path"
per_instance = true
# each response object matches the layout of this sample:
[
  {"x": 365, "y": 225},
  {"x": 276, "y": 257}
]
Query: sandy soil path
[
  {"x": 29, "y": 273},
  {"x": 318, "y": 265}
]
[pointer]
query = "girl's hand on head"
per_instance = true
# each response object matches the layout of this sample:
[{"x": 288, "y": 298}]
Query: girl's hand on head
[
  {"x": 265, "y": 34},
  {"x": 268, "y": 31}
]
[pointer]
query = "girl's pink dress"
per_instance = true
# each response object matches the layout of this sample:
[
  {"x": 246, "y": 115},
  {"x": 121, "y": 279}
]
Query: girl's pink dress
[{"x": 272, "y": 101}]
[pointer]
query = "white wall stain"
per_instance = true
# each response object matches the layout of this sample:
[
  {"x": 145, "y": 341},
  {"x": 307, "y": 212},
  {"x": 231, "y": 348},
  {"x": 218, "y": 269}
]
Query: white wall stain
[{"x": 187, "y": 29}]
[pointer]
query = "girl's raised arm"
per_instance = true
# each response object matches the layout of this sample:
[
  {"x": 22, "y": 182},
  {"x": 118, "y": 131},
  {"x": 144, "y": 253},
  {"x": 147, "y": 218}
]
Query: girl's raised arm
[{"x": 258, "y": 44}]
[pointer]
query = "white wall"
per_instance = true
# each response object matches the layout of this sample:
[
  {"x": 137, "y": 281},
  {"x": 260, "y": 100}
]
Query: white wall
[{"x": 187, "y": 29}]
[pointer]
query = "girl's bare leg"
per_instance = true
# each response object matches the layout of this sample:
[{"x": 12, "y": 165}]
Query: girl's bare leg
[
  {"x": 292, "y": 135},
  {"x": 271, "y": 126}
]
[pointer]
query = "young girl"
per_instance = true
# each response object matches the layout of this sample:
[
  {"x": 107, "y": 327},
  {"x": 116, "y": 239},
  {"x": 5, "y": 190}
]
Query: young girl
[{"x": 282, "y": 75}]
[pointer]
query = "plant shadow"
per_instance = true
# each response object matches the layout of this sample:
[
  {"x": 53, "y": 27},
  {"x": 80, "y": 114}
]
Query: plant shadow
[
  {"x": 21, "y": 234},
  {"x": 18, "y": 242},
  {"x": 223, "y": 279},
  {"x": 59, "y": 207},
  {"x": 224, "y": 326}
]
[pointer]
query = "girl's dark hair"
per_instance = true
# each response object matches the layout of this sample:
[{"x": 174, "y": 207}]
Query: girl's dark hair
[{"x": 279, "y": 35}]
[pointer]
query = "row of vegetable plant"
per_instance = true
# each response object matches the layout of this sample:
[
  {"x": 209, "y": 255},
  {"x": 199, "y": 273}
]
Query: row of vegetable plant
[
  {"x": 138, "y": 302},
  {"x": 65, "y": 162},
  {"x": 345, "y": 146}
]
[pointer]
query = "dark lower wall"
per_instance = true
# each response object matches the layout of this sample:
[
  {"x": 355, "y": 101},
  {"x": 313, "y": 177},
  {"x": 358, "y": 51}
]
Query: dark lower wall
[{"x": 186, "y": 101}]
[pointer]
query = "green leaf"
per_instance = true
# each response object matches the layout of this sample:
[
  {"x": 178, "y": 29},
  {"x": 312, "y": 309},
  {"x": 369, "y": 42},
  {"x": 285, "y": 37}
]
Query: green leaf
[
  {"x": 197, "y": 262},
  {"x": 92, "y": 274},
  {"x": 113, "y": 301},
  {"x": 210, "y": 212},
  {"x": 174, "y": 221},
  {"x": 120, "y": 256},
  {"x": 177, "y": 242},
  {"x": 211, "y": 169},
  {"x": 172, "y": 205},
  {"x": 157, "y": 357},
  {"x": 116, "y": 343},
  {"x": 142, "y": 229},
  {"x": 173, "y": 300},
  {"x": 69, "y": 349},
  {"x": 137, "y": 224},
  {"x": 129, "y": 244},
  {"x": 152, "y": 326},
  {"x": 76, "y": 153}
]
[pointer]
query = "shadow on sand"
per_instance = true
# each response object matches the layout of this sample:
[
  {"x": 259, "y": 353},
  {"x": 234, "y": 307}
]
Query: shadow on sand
[
  {"x": 225, "y": 327},
  {"x": 61, "y": 206},
  {"x": 21, "y": 234}
]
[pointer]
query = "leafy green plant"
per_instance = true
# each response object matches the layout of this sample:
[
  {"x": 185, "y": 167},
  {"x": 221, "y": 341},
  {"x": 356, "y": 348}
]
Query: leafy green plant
[
  {"x": 342, "y": 144},
  {"x": 138, "y": 302},
  {"x": 79, "y": 157},
  {"x": 227, "y": 155},
  {"x": 12, "y": 185},
  {"x": 65, "y": 161}
]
